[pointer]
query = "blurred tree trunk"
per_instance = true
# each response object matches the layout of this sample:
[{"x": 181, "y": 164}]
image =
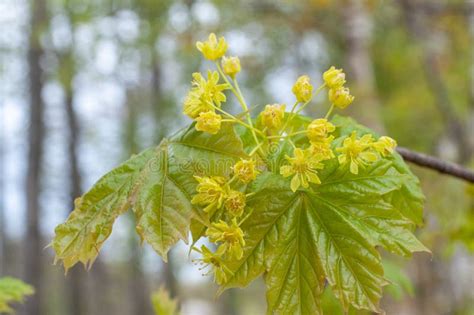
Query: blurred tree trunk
[
  {"x": 156, "y": 95},
  {"x": 430, "y": 276},
  {"x": 85, "y": 290},
  {"x": 76, "y": 295},
  {"x": 2, "y": 192},
  {"x": 98, "y": 286},
  {"x": 415, "y": 20},
  {"x": 358, "y": 37},
  {"x": 228, "y": 303},
  {"x": 33, "y": 245},
  {"x": 470, "y": 123},
  {"x": 140, "y": 299}
]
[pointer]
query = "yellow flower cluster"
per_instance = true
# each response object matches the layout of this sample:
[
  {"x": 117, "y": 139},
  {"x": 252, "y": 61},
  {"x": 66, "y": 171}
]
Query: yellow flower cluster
[
  {"x": 303, "y": 90},
  {"x": 203, "y": 99},
  {"x": 318, "y": 134},
  {"x": 272, "y": 116},
  {"x": 215, "y": 194},
  {"x": 224, "y": 199},
  {"x": 205, "y": 94},
  {"x": 339, "y": 95},
  {"x": 358, "y": 152}
]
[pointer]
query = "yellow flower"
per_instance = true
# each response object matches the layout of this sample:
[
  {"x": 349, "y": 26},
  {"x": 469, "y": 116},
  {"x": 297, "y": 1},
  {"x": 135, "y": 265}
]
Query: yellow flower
[
  {"x": 334, "y": 78},
  {"x": 231, "y": 66},
  {"x": 272, "y": 116},
  {"x": 194, "y": 104},
  {"x": 215, "y": 262},
  {"x": 230, "y": 237},
  {"x": 341, "y": 97},
  {"x": 357, "y": 152},
  {"x": 385, "y": 145},
  {"x": 318, "y": 129},
  {"x": 204, "y": 94},
  {"x": 303, "y": 90},
  {"x": 321, "y": 149},
  {"x": 212, "y": 49},
  {"x": 235, "y": 203},
  {"x": 209, "y": 122},
  {"x": 211, "y": 88},
  {"x": 303, "y": 166},
  {"x": 245, "y": 170},
  {"x": 212, "y": 192}
]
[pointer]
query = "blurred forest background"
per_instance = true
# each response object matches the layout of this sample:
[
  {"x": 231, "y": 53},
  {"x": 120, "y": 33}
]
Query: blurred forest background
[{"x": 86, "y": 83}]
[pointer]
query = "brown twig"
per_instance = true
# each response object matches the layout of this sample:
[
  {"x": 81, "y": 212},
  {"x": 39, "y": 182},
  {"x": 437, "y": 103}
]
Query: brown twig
[{"x": 436, "y": 164}]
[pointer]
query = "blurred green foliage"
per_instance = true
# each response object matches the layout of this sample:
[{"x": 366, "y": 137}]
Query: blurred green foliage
[{"x": 12, "y": 291}]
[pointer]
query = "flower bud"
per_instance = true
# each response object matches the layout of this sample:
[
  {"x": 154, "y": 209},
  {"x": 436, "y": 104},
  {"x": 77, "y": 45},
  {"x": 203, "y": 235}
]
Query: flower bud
[
  {"x": 318, "y": 129},
  {"x": 231, "y": 66},
  {"x": 209, "y": 122},
  {"x": 334, "y": 78},
  {"x": 245, "y": 170},
  {"x": 340, "y": 97},
  {"x": 303, "y": 90},
  {"x": 321, "y": 149},
  {"x": 235, "y": 203},
  {"x": 272, "y": 116},
  {"x": 385, "y": 145}
]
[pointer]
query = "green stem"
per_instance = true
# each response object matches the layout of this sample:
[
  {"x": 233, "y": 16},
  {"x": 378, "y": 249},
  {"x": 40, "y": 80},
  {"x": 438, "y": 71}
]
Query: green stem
[
  {"x": 288, "y": 135},
  {"x": 232, "y": 179},
  {"x": 246, "y": 109},
  {"x": 240, "y": 95},
  {"x": 287, "y": 120},
  {"x": 292, "y": 143},
  {"x": 303, "y": 106},
  {"x": 329, "y": 111},
  {"x": 255, "y": 149},
  {"x": 235, "y": 119},
  {"x": 315, "y": 94},
  {"x": 240, "y": 98},
  {"x": 246, "y": 217}
]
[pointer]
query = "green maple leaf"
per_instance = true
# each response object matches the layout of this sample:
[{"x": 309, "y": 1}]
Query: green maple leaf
[
  {"x": 12, "y": 291},
  {"x": 80, "y": 238},
  {"x": 158, "y": 185},
  {"x": 301, "y": 242},
  {"x": 328, "y": 233}
]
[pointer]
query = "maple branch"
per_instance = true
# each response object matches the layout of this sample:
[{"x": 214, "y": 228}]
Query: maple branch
[{"x": 436, "y": 164}]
